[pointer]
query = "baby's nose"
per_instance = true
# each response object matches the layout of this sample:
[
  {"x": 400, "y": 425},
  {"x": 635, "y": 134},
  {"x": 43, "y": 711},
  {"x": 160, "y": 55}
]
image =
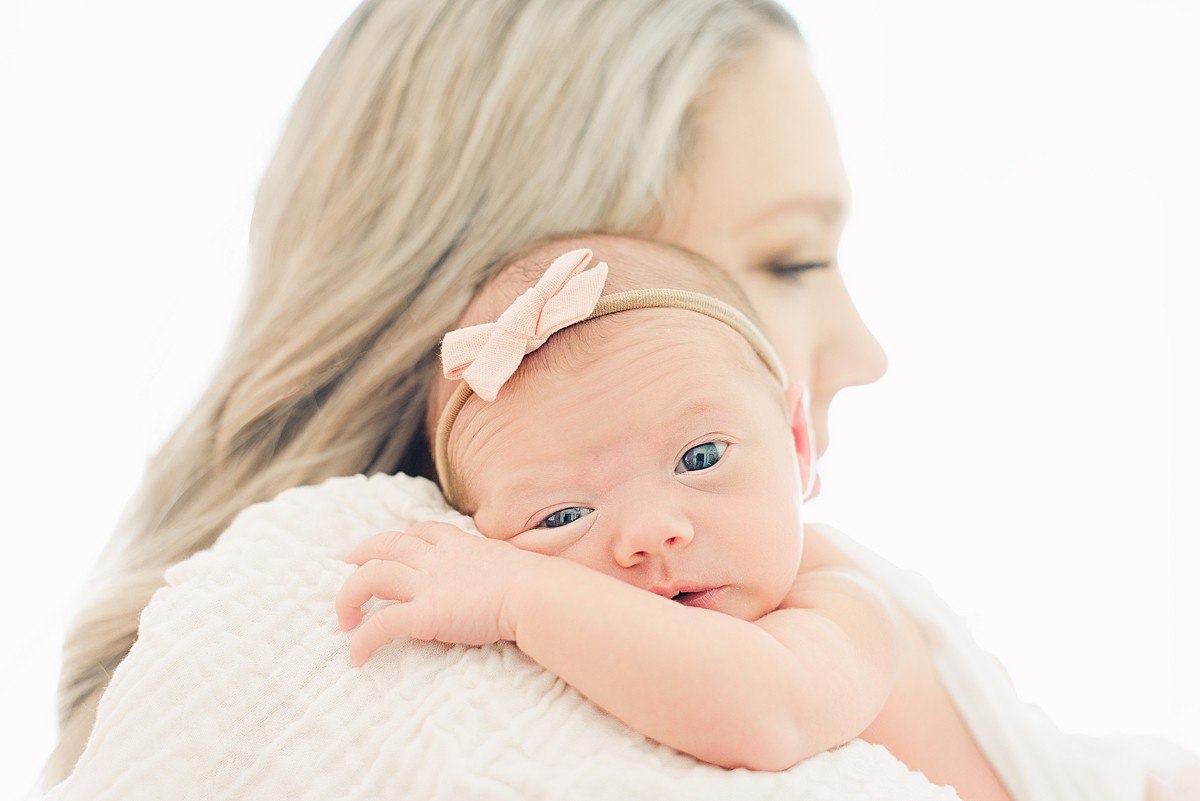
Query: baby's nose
[{"x": 651, "y": 530}]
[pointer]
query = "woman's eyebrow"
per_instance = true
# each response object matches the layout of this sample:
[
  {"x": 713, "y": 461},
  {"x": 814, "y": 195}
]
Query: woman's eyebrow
[{"x": 829, "y": 208}]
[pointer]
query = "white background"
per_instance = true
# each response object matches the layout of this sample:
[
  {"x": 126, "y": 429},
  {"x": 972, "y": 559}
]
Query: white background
[{"x": 1024, "y": 244}]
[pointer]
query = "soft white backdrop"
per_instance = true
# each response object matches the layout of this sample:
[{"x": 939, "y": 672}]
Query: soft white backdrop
[{"x": 1024, "y": 244}]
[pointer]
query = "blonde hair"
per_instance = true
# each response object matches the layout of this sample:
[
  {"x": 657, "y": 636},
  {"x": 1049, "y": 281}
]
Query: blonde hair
[{"x": 431, "y": 139}]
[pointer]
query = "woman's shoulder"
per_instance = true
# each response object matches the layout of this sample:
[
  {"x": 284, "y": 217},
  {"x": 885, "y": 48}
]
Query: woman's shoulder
[{"x": 318, "y": 521}]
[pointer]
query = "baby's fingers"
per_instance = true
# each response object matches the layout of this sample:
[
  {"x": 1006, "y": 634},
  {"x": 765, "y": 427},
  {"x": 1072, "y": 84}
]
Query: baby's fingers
[
  {"x": 435, "y": 533},
  {"x": 388, "y": 545},
  {"x": 389, "y": 623},
  {"x": 379, "y": 578}
]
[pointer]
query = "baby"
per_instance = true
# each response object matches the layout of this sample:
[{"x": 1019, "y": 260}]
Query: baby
[{"x": 637, "y": 466}]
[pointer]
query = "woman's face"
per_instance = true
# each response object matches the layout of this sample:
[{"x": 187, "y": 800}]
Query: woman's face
[{"x": 767, "y": 196}]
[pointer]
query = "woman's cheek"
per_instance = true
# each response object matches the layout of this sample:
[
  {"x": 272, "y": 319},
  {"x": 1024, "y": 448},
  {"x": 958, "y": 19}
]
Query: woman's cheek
[{"x": 786, "y": 322}]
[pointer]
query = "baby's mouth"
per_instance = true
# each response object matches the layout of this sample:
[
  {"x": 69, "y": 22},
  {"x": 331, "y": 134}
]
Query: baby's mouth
[{"x": 698, "y": 598}]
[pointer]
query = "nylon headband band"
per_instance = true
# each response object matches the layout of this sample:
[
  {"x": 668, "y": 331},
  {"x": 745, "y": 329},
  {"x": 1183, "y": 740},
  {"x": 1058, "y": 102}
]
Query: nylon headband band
[{"x": 611, "y": 304}]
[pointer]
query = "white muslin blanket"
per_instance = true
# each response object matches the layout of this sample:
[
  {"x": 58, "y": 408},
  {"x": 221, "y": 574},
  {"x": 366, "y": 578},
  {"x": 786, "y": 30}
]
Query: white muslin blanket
[{"x": 239, "y": 687}]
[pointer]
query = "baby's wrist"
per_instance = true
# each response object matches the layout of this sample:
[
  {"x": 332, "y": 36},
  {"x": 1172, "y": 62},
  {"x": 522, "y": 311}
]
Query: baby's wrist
[
  {"x": 522, "y": 571},
  {"x": 534, "y": 580}
]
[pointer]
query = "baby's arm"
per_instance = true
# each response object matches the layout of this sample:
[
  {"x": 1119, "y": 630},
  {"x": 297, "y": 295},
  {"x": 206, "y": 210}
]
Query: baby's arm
[{"x": 764, "y": 695}]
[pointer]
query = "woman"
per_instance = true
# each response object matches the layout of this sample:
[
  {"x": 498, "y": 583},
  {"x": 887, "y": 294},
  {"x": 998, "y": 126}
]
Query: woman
[{"x": 431, "y": 140}]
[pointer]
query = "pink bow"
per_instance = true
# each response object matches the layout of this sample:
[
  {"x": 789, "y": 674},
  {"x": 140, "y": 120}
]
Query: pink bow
[{"x": 487, "y": 355}]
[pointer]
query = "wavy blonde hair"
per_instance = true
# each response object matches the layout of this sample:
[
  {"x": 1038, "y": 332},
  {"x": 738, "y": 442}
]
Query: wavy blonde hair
[{"x": 431, "y": 139}]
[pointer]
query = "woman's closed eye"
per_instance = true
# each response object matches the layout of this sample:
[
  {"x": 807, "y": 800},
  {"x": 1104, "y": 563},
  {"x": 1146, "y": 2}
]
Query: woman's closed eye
[
  {"x": 564, "y": 517},
  {"x": 701, "y": 457},
  {"x": 794, "y": 270}
]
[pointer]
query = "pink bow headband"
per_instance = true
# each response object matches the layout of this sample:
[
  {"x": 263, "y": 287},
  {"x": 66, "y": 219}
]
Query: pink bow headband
[{"x": 486, "y": 356}]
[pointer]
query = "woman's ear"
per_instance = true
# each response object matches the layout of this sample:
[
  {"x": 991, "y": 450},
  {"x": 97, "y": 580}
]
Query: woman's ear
[{"x": 798, "y": 418}]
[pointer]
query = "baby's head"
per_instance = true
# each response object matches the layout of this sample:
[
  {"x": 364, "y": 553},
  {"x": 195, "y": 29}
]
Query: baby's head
[{"x": 655, "y": 442}]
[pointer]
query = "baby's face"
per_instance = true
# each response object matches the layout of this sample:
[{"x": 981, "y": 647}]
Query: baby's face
[{"x": 663, "y": 460}]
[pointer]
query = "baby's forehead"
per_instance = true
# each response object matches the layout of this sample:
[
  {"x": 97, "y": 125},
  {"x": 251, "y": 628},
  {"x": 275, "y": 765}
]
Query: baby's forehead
[
  {"x": 665, "y": 349},
  {"x": 625, "y": 379},
  {"x": 650, "y": 380}
]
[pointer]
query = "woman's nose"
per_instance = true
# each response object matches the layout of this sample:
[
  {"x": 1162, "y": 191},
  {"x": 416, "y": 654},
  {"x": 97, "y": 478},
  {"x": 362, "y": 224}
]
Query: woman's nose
[
  {"x": 852, "y": 355},
  {"x": 650, "y": 528}
]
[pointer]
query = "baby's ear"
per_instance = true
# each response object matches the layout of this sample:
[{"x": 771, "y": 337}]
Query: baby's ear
[{"x": 798, "y": 418}]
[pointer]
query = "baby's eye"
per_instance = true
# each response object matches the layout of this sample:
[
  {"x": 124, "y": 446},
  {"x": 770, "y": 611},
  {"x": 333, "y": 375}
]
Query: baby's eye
[
  {"x": 701, "y": 457},
  {"x": 564, "y": 517}
]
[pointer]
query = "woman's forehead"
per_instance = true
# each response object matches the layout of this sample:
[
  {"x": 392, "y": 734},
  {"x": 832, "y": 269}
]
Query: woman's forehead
[{"x": 765, "y": 145}]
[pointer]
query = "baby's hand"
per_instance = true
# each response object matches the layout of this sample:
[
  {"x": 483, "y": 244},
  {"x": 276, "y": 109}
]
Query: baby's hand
[{"x": 451, "y": 586}]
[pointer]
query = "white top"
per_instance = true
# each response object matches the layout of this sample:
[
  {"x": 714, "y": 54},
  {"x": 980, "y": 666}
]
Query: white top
[{"x": 239, "y": 687}]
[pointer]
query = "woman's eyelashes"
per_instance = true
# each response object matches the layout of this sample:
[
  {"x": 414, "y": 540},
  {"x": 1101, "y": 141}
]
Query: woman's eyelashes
[
  {"x": 564, "y": 517},
  {"x": 791, "y": 271},
  {"x": 701, "y": 457}
]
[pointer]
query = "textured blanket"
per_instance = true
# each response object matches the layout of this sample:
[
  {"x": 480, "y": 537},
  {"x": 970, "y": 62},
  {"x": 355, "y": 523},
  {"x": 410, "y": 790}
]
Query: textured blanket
[{"x": 239, "y": 687}]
